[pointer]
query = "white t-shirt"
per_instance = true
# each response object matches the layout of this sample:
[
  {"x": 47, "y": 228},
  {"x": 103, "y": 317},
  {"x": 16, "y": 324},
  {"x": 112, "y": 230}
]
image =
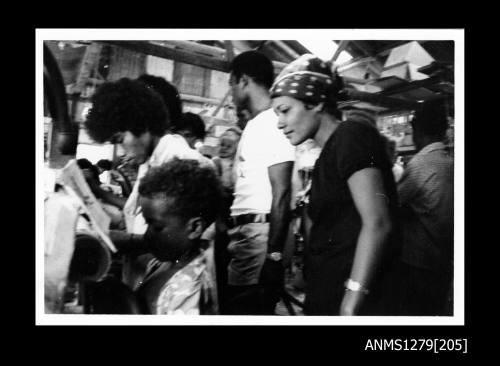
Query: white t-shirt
[
  {"x": 168, "y": 147},
  {"x": 261, "y": 145}
]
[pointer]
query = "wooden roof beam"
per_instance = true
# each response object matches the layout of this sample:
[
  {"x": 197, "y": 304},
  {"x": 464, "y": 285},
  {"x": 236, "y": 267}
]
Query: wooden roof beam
[
  {"x": 89, "y": 63},
  {"x": 195, "y": 47},
  {"x": 159, "y": 50},
  {"x": 361, "y": 49},
  {"x": 414, "y": 85},
  {"x": 286, "y": 49},
  {"x": 380, "y": 100},
  {"x": 354, "y": 62},
  {"x": 229, "y": 50},
  {"x": 387, "y": 50},
  {"x": 341, "y": 47},
  {"x": 241, "y": 45}
]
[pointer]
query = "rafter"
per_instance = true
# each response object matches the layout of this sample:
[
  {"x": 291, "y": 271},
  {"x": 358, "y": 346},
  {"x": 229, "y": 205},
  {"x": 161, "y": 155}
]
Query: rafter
[
  {"x": 341, "y": 47},
  {"x": 89, "y": 63},
  {"x": 159, "y": 50},
  {"x": 286, "y": 49},
  {"x": 229, "y": 50},
  {"x": 380, "y": 100}
]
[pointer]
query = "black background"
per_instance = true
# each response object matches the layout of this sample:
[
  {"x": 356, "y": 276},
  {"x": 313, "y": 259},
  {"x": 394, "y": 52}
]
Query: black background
[{"x": 312, "y": 345}]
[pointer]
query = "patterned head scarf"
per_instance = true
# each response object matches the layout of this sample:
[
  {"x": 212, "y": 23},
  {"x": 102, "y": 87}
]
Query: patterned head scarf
[{"x": 308, "y": 78}]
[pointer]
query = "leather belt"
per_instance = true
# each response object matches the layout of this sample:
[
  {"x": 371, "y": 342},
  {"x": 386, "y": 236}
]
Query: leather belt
[{"x": 248, "y": 219}]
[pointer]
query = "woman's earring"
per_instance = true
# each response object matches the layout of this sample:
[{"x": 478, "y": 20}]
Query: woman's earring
[{"x": 318, "y": 108}]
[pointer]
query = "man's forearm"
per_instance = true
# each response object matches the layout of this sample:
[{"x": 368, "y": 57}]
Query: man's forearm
[
  {"x": 280, "y": 176},
  {"x": 111, "y": 198},
  {"x": 279, "y": 221},
  {"x": 129, "y": 243}
]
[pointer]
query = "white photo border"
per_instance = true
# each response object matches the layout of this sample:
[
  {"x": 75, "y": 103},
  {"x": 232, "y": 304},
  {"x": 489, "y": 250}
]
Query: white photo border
[{"x": 456, "y": 35}]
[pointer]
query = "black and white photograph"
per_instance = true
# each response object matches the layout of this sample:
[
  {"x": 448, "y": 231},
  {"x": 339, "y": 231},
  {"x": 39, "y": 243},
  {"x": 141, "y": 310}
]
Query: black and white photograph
[{"x": 281, "y": 177}]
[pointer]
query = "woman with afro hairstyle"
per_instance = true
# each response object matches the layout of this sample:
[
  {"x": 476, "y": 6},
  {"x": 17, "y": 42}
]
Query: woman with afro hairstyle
[
  {"x": 130, "y": 113},
  {"x": 188, "y": 125}
]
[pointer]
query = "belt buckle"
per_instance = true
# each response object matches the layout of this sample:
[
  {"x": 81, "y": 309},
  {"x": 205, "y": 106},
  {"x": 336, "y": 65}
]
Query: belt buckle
[{"x": 260, "y": 218}]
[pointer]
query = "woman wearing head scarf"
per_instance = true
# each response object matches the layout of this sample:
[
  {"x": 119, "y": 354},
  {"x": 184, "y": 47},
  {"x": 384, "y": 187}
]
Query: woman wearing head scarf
[{"x": 352, "y": 195}]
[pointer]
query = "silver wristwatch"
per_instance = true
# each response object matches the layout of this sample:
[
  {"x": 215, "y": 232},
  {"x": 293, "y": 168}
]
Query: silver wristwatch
[
  {"x": 275, "y": 256},
  {"x": 355, "y": 286}
]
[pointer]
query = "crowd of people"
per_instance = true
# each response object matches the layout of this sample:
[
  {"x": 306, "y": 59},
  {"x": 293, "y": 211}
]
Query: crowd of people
[{"x": 206, "y": 235}]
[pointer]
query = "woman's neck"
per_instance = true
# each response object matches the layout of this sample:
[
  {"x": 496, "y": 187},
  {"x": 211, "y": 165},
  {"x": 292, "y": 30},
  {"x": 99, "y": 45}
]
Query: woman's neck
[{"x": 327, "y": 127}]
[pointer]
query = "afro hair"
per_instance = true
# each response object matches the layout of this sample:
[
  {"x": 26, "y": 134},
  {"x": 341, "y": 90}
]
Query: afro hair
[
  {"x": 125, "y": 105},
  {"x": 196, "y": 189},
  {"x": 168, "y": 93}
]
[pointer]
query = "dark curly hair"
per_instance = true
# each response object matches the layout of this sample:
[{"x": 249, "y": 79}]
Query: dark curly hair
[
  {"x": 86, "y": 164},
  {"x": 125, "y": 105},
  {"x": 196, "y": 189},
  {"x": 168, "y": 93},
  {"x": 193, "y": 123}
]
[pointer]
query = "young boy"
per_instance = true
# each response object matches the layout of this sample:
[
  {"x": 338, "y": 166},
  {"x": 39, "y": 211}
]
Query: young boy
[{"x": 179, "y": 200}]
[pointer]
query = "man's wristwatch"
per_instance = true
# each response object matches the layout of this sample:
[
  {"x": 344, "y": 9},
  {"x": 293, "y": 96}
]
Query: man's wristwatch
[
  {"x": 355, "y": 286},
  {"x": 274, "y": 256}
]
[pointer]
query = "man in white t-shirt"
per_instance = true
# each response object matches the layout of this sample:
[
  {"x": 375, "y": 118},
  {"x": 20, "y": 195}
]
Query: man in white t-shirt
[{"x": 260, "y": 212}]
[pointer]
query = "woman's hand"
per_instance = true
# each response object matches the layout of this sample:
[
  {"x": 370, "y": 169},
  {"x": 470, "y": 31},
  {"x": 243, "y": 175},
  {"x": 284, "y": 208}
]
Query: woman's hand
[{"x": 351, "y": 303}]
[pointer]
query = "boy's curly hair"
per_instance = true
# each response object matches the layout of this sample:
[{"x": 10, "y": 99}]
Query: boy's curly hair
[
  {"x": 125, "y": 105},
  {"x": 196, "y": 189}
]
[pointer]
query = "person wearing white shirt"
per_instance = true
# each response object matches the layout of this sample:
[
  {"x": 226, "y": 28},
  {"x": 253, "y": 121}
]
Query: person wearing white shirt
[
  {"x": 132, "y": 114},
  {"x": 260, "y": 213}
]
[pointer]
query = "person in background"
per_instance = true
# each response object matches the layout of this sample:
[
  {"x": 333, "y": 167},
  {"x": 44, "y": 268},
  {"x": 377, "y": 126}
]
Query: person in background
[
  {"x": 130, "y": 113},
  {"x": 90, "y": 171},
  {"x": 260, "y": 213},
  {"x": 91, "y": 174},
  {"x": 426, "y": 195},
  {"x": 113, "y": 179},
  {"x": 353, "y": 195},
  {"x": 169, "y": 94},
  {"x": 228, "y": 142},
  {"x": 224, "y": 168},
  {"x": 397, "y": 165},
  {"x": 188, "y": 126},
  {"x": 192, "y": 128},
  {"x": 243, "y": 115},
  {"x": 398, "y": 168},
  {"x": 104, "y": 166},
  {"x": 128, "y": 169}
]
